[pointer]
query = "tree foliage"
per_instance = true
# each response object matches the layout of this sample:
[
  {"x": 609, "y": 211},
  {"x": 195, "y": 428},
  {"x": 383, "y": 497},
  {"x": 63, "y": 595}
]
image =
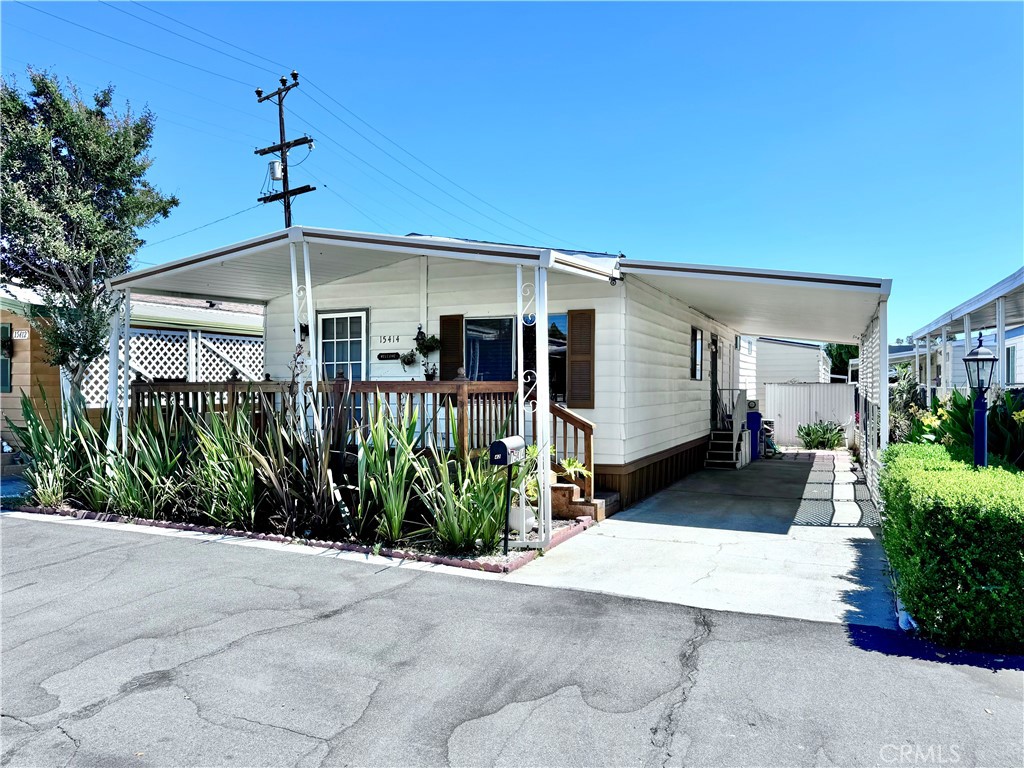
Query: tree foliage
[
  {"x": 841, "y": 355},
  {"x": 73, "y": 196}
]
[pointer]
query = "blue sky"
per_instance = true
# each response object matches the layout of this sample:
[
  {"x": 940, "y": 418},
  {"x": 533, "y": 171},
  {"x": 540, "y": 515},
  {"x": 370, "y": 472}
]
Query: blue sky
[{"x": 880, "y": 139}]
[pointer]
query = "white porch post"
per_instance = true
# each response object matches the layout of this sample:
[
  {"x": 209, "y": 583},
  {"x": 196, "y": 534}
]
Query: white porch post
[
  {"x": 943, "y": 366},
  {"x": 312, "y": 339},
  {"x": 883, "y": 366},
  {"x": 928, "y": 369},
  {"x": 297, "y": 289},
  {"x": 192, "y": 368},
  {"x": 126, "y": 371},
  {"x": 967, "y": 333},
  {"x": 112, "y": 374},
  {"x": 520, "y": 384},
  {"x": 543, "y": 396},
  {"x": 916, "y": 359},
  {"x": 1001, "y": 341}
]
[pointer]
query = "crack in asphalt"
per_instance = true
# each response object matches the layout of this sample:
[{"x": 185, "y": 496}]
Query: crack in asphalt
[{"x": 663, "y": 733}]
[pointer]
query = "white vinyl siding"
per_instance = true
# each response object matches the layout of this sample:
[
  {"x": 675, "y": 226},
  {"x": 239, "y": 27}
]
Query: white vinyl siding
[
  {"x": 747, "y": 366},
  {"x": 393, "y": 294},
  {"x": 781, "y": 363},
  {"x": 664, "y": 407}
]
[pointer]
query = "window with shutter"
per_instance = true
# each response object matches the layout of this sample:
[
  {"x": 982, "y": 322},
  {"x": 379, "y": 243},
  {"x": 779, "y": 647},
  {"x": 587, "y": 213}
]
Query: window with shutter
[
  {"x": 580, "y": 363},
  {"x": 451, "y": 357}
]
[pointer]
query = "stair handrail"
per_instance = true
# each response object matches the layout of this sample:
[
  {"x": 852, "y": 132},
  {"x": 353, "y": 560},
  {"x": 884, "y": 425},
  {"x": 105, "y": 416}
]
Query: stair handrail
[
  {"x": 739, "y": 421},
  {"x": 586, "y": 427}
]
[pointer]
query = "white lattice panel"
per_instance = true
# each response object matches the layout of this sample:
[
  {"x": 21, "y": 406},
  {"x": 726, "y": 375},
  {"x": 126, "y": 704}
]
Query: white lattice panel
[{"x": 159, "y": 354}]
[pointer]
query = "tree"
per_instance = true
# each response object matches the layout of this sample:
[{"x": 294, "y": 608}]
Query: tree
[
  {"x": 840, "y": 355},
  {"x": 73, "y": 196}
]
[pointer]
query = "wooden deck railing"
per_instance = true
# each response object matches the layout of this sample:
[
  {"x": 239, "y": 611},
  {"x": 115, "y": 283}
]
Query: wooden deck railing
[{"x": 467, "y": 415}]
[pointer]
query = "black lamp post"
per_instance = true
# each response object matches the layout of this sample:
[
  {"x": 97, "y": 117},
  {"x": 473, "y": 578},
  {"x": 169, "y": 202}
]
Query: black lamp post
[{"x": 981, "y": 364}]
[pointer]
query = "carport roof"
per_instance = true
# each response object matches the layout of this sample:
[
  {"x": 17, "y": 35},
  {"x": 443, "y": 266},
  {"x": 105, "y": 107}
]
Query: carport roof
[
  {"x": 793, "y": 305},
  {"x": 764, "y": 302}
]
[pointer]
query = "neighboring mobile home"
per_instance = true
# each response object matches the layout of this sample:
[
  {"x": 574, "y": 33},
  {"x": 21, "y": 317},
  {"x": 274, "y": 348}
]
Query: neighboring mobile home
[{"x": 641, "y": 357}]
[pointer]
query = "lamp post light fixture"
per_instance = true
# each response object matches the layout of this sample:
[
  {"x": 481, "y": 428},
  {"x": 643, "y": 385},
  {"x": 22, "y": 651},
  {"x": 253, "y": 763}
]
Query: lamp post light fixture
[{"x": 981, "y": 364}]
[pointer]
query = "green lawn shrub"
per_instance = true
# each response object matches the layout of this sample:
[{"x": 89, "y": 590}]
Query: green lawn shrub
[{"x": 955, "y": 536}]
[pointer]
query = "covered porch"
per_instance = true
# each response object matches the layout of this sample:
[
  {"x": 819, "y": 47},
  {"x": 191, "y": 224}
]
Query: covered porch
[{"x": 321, "y": 330}]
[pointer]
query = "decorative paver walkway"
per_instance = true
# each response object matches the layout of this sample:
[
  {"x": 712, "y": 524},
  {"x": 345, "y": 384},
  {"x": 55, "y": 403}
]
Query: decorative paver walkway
[{"x": 793, "y": 536}]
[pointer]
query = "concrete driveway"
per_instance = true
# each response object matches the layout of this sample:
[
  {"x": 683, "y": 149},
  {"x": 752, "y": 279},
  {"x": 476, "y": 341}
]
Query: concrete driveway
[{"x": 795, "y": 536}]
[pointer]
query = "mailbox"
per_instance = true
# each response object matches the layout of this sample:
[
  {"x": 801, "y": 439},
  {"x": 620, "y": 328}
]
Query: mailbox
[{"x": 506, "y": 452}]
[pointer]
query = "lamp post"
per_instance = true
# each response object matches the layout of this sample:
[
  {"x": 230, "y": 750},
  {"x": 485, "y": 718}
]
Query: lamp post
[{"x": 981, "y": 363}]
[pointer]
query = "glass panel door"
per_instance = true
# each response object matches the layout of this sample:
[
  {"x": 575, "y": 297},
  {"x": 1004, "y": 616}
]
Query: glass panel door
[{"x": 343, "y": 345}]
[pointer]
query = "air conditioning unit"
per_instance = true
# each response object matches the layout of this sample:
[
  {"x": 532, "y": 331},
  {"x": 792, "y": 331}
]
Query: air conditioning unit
[{"x": 752, "y": 405}]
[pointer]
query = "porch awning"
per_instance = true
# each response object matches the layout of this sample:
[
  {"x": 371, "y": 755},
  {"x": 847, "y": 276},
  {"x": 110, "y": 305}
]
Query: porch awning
[
  {"x": 981, "y": 309},
  {"x": 259, "y": 269},
  {"x": 761, "y": 302}
]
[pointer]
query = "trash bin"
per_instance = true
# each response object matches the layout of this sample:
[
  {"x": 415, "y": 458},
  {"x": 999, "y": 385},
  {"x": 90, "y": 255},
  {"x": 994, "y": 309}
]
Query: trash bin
[{"x": 754, "y": 425}]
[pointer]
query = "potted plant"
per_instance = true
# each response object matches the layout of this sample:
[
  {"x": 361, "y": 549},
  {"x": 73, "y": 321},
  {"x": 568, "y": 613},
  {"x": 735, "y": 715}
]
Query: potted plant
[
  {"x": 429, "y": 371},
  {"x": 427, "y": 344},
  {"x": 408, "y": 358}
]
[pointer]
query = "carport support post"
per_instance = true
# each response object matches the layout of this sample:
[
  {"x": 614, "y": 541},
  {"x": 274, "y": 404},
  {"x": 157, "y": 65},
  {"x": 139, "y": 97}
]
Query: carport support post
[
  {"x": 112, "y": 375},
  {"x": 543, "y": 399},
  {"x": 520, "y": 385},
  {"x": 314, "y": 346},
  {"x": 126, "y": 372},
  {"x": 883, "y": 371},
  {"x": 297, "y": 290},
  {"x": 928, "y": 369},
  {"x": 1000, "y": 342}
]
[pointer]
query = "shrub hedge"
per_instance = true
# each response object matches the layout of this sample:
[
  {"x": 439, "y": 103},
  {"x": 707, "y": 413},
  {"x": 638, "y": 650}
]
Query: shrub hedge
[{"x": 955, "y": 536}]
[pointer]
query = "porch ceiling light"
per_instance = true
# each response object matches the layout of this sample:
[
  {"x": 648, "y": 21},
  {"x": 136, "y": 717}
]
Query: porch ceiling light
[{"x": 980, "y": 363}]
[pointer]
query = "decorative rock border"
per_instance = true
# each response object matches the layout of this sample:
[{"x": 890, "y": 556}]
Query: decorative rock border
[{"x": 577, "y": 526}]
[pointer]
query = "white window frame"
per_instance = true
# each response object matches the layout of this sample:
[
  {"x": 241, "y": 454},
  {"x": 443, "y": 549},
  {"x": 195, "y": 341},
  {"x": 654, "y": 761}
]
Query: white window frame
[{"x": 364, "y": 315}]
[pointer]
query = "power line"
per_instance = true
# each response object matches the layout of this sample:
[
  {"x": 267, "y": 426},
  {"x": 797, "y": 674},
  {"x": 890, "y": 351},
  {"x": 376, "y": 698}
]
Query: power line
[
  {"x": 185, "y": 37},
  {"x": 204, "y": 32},
  {"x": 369, "y": 125},
  {"x": 384, "y": 227},
  {"x": 396, "y": 181},
  {"x": 132, "y": 45},
  {"x": 139, "y": 74},
  {"x": 202, "y": 226}
]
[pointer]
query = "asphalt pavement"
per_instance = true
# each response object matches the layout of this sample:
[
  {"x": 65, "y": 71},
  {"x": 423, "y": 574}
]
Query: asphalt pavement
[{"x": 128, "y": 649}]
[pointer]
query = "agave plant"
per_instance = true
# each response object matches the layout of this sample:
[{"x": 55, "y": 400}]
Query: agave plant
[{"x": 825, "y": 435}]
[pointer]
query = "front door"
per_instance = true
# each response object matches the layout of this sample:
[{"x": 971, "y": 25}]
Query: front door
[
  {"x": 343, "y": 345},
  {"x": 716, "y": 421}
]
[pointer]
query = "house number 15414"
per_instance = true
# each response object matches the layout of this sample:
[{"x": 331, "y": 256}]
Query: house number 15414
[{"x": 389, "y": 339}]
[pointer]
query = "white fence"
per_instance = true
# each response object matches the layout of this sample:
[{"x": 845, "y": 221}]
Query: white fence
[
  {"x": 791, "y": 405},
  {"x": 182, "y": 356}
]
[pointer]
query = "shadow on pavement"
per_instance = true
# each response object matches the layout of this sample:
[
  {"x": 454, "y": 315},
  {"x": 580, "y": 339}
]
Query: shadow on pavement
[{"x": 893, "y": 642}]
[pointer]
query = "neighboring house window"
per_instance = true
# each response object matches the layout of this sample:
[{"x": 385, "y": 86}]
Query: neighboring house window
[
  {"x": 5, "y": 361},
  {"x": 696, "y": 353},
  {"x": 1011, "y": 365},
  {"x": 343, "y": 345}
]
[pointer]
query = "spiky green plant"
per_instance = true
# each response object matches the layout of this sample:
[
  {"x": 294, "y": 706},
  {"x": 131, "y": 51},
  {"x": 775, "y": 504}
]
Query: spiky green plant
[
  {"x": 49, "y": 440},
  {"x": 144, "y": 479},
  {"x": 221, "y": 470},
  {"x": 387, "y": 467}
]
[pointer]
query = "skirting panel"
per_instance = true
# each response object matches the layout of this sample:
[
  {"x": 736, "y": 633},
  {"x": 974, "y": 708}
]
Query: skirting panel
[{"x": 644, "y": 477}]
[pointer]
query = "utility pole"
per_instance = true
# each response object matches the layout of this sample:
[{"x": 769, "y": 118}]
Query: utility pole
[{"x": 286, "y": 194}]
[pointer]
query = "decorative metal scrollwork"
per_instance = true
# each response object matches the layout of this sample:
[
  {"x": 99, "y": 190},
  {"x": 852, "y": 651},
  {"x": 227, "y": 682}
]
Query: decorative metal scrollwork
[
  {"x": 530, "y": 390},
  {"x": 529, "y": 300}
]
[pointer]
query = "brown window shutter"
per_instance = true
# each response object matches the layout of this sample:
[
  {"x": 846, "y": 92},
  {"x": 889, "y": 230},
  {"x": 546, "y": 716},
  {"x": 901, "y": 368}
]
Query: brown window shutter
[
  {"x": 451, "y": 346},
  {"x": 579, "y": 366}
]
